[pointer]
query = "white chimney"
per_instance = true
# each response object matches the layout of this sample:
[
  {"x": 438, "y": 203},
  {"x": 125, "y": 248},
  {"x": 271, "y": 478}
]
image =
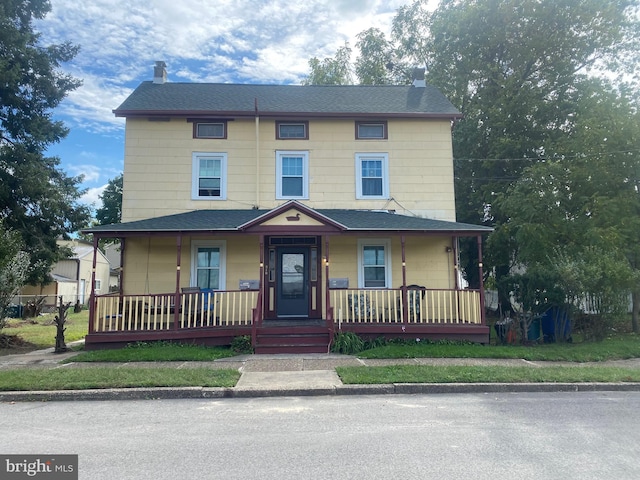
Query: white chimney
[
  {"x": 160, "y": 73},
  {"x": 418, "y": 78}
]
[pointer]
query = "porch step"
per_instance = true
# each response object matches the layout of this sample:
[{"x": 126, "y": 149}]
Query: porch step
[{"x": 294, "y": 339}]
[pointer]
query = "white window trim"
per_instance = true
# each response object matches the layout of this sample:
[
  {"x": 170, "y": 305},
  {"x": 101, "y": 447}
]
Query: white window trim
[
  {"x": 305, "y": 174},
  {"x": 222, "y": 245},
  {"x": 367, "y": 242},
  {"x": 385, "y": 175},
  {"x": 195, "y": 170}
]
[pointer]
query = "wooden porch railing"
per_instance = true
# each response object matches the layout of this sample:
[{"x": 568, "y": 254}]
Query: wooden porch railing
[
  {"x": 423, "y": 306},
  {"x": 158, "y": 312}
]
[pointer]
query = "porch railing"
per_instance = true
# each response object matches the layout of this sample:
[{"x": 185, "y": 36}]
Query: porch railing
[
  {"x": 158, "y": 312},
  {"x": 422, "y": 306}
]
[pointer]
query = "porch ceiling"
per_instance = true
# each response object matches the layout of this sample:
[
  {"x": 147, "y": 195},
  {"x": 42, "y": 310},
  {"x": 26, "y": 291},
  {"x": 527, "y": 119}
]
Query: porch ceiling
[{"x": 202, "y": 221}]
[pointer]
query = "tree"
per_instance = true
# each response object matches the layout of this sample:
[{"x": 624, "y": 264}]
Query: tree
[
  {"x": 377, "y": 63},
  {"x": 576, "y": 216},
  {"x": 512, "y": 67},
  {"x": 14, "y": 265},
  {"x": 111, "y": 210},
  {"x": 331, "y": 71},
  {"x": 37, "y": 199}
]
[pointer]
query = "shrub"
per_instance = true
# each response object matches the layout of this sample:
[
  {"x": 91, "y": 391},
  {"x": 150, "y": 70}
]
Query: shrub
[{"x": 242, "y": 345}]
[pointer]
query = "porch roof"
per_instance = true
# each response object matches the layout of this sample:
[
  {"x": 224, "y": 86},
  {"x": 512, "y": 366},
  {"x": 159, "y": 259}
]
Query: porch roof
[{"x": 202, "y": 221}]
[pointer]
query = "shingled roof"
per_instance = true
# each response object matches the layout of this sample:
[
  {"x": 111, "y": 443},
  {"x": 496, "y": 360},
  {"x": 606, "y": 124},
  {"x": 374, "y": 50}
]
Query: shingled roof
[
  {"x": 209, "y": 99},
  {"x": 233, "y": 220}
]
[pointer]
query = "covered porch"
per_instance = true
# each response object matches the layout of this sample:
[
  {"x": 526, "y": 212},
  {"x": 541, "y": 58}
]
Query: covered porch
[{"x": 311, "y": 275}]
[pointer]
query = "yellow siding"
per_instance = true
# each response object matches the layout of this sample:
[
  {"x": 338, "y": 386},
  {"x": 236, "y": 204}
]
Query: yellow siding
[
  {"x": 158, "y": 166},
  {"x": 427, "y": 262}
]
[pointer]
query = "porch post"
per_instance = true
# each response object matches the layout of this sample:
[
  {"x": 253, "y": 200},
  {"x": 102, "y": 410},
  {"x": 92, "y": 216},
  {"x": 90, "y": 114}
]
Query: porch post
[
  {"x": 454, "y": 242},
  {"x": 405, "y": 300},
  {"x": 176, "y": 301},
  {"x": 259, "y": 309},
  {"x": 327, "y": 293},
  {"x": 92, "y": 295},
  {"x": 121, "y": 272},
  {"x": 481, "y": 274}
]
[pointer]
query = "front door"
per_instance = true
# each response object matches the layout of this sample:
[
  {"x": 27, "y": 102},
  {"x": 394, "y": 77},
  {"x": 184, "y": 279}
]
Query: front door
[{"x": 292, "y": 283}]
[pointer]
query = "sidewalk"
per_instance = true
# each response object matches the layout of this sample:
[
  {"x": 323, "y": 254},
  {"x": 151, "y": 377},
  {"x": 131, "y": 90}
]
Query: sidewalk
[{"x": 293, "y": 375}]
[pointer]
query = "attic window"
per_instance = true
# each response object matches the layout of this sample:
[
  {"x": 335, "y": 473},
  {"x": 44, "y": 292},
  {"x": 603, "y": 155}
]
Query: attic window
[
  {"x": 210, "y": 130},
  {"x": 371, "y": 130},
  {"x": 292, "y": 130}
]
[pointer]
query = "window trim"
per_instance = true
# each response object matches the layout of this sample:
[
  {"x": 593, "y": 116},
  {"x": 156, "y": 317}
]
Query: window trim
[
  {"x": 209, "y": 121},
  {"x": 222, "y": 245},
  {"x": 305, "y": 174},
  {"x": 195, "y": 176},
  {"x": 385, "y": 130},
  {"x": 304, "y": 123},
  {"x": 375, "y": 242},
  {"x": 384, "y": 157},
  {"x": 98, "y": 285}
]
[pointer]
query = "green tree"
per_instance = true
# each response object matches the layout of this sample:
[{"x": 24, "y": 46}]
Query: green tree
[
  {"x": 512, "y": 67},
  {"x": 37, "y": 199},
  {"x": 577, "y": 214},
  {"x": 331, "y": 70},
  {"x": 14, "y": 265},
  {"x": 111, "y": 210}
]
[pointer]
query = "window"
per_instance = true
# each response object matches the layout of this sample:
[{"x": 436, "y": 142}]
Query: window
[
  {"x": 209, "y": 176},
  {"x": 374, "y": 263},
  {"x": 292, "y": 130},
  {"x": 372, "y": 175},
  {"x": 292, "y": 174},
  {"x": 98, "y": 285},
  {"x": 371, "y": 130},
  {"x": 208, "y": 265},
  {"x": 210, "y": 129}
]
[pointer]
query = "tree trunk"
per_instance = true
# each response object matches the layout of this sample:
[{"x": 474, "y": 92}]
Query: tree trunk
[{"x": 60, "y": 319}]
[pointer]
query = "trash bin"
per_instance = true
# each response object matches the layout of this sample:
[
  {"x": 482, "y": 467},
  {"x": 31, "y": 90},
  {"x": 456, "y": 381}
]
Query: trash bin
[
  {"x": 556, "y": 325},
  {"x": 15, "y": 311},
  {"x": 533, "y": 333}
]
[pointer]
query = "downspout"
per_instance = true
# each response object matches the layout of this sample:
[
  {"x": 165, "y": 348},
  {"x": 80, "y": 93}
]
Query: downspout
[
  {"x": 257, "y": 205},
  {"x": 480, "y": 272}
]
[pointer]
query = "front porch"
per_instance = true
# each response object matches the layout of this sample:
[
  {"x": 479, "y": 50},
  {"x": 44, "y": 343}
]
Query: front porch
[
  {"x": 293, "y": 265},
  {"x": 216, "y": 317}
]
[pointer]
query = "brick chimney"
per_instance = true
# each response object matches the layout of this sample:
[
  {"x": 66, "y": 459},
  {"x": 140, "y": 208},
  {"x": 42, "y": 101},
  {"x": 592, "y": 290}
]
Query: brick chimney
[
  {"x": 160, "y": 73},
  {"x": 418, "y": 78}
]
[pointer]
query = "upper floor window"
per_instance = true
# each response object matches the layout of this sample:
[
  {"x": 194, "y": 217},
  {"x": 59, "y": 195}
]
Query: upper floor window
[
  {"x": 292, "y": 174},
  {"x": 210, "y": 129},
  {"x": 371, "y": 130},
  {"x": 292, "y": 130},
  {"x": 209, "y": 176},
  {"x": 372, "y": 175}
]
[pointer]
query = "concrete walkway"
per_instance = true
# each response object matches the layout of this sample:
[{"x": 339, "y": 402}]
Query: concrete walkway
[{"x": 292, "y": 375}]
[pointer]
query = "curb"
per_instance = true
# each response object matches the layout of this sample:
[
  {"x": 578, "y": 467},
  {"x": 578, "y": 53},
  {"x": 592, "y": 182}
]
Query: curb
[{"x": 168, "y": 393}]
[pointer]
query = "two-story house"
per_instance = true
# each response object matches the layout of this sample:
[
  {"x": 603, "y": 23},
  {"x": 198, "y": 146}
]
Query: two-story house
[{"x": 286, "y": 213}]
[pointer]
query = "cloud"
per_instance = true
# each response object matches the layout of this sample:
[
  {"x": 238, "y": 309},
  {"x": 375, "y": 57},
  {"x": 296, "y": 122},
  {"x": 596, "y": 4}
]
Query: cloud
[{"x": 92, "y": 197}]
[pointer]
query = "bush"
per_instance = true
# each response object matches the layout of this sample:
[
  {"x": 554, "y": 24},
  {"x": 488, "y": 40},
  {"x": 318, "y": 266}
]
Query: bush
[
  {"x": 347, "y": 343},
  {"x": 242, "y": 345}
]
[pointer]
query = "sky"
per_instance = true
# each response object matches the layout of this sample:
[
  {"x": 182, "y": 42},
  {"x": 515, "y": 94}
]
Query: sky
[{"x": 223, "y": 41}]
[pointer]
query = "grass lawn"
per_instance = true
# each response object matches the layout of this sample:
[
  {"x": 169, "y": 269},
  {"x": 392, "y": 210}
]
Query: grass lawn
[
  {"x": 616, "y": 347},
  {"x": 158, "y": 352},
  {"x": 38, "y": 333},
  {"x": 112, "y": 377},
  {"x": 492, "y": 374}
]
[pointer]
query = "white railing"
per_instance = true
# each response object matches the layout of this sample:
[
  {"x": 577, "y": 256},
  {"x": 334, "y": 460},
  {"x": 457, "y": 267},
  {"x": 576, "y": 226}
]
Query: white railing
[
  {"x": 157, "y": 312},
  {"x": 423, "y": 306}
]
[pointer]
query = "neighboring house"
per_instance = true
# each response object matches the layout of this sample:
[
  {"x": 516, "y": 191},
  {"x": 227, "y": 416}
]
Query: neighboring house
[
  {"x": 287, "y": 213},
  {"x": 71, "y": 277}
]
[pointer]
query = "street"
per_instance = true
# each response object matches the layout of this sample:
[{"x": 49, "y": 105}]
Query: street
[{"x": 478, "y": 436}]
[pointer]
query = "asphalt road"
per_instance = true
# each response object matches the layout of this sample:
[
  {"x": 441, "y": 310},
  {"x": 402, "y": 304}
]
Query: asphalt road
[{"x": 465, "y": 436}]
